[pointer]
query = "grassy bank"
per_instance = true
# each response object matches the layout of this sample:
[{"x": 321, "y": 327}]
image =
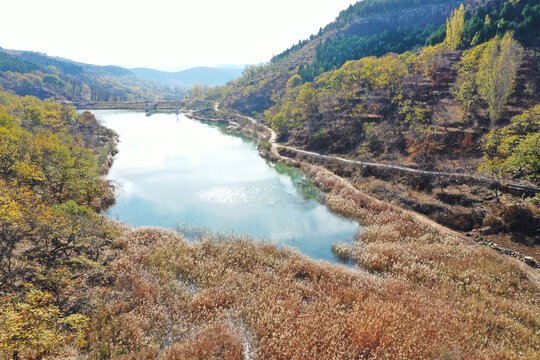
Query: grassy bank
[{"x": 492, "y": 215}]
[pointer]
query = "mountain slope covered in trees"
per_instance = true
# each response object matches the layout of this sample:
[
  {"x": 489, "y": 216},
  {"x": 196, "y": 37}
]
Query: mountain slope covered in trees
[
  {"x": 31, "y": 73},
  {"x": 51, "y": 191},
  {"x": 381, "y": 27},
  {"x": 436, "y": 87}
]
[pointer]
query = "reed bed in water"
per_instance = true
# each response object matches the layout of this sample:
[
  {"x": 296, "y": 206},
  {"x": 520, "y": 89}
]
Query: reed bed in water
[{"x": 427, "y": 297}]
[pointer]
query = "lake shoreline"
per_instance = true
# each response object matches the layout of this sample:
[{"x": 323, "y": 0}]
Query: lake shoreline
[
  {"x": 267, "y": 151},
  {"x": 174, "y": 170},
  {"x": 205, "y": 112}
]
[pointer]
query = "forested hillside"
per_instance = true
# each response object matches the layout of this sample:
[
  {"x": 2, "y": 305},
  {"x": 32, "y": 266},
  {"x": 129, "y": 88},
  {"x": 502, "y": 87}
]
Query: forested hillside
[
  {"x": 370, "y": 22},
  {"x": 51, "y": 191},
  {"x": 420, "y": 94},
  {"x": 414, "y": 28},
  {"x": 457, "y": 104},
  {"x": 30, "y": 73},
  {"x": 373, "y": 29},
  {"x": 432, "y": 89},
  {"x": 366, "y": 28}
]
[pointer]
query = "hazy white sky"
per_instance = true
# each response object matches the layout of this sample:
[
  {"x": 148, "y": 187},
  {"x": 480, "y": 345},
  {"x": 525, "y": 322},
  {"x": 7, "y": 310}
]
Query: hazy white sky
[{"x": 160, "y": 33}]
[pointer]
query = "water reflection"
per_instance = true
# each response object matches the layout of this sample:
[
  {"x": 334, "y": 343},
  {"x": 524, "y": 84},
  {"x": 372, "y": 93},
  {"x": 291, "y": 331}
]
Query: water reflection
[{"x": 173, "y": 170}]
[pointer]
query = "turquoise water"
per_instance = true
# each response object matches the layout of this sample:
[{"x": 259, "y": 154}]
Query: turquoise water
[{"x": 173, "y": 171}]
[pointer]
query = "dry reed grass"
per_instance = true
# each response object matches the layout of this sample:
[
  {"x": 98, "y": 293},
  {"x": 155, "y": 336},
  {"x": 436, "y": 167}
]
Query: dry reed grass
[{"x": 211, "y": 299}]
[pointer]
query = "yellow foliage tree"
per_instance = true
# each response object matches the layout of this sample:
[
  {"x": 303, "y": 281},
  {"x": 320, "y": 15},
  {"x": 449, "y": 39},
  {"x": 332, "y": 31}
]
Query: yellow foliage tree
[
  {"x": 497, "y": 73},
  {"x": 465, "y": 89},
  {"x": 197, "y": 91},
  {"x": 33, "y": 327},
  {"x": 430, "y": 60},
  {"x": 294, "y": 80},
  {"x": 514, "y": 150},
  {"x": 390, "y": 74},
  {"x": 454, "y": 28}
]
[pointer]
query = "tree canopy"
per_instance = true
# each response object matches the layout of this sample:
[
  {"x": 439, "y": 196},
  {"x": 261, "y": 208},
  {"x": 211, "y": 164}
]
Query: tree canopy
[
  {"x": 51, "y": 190},
  {"x": 514, "y": 150}
]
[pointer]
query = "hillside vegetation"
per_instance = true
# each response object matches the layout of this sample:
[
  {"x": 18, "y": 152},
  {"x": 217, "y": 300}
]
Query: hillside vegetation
[
  {"x": 331, "y": 48},
  {"x": 51, "y": 191},
  {"x": 73, "y": 284},
  {"x": 355, "y": 42},
  {"x": 30, "y": 73}
]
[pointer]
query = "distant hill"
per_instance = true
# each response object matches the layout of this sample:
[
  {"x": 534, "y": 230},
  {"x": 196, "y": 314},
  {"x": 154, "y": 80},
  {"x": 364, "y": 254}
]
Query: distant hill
[
  {"x": 43, "y": 76},
  {"x": 211, "y": 76}
]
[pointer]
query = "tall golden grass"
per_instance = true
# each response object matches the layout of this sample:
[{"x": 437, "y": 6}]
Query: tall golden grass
[{"x": 425, "y": 297}]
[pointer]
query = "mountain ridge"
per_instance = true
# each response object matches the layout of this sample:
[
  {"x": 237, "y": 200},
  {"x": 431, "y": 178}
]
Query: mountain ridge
[
  {"x": 210, "y": 76},
  {"x": 34, "y": 73}
]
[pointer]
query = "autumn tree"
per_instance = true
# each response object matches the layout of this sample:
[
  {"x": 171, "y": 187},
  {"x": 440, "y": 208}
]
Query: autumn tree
[
  {"x": 423, "y": 146},
  {"x": 197, "y": 91},
  {"x": 430, "y": 61},
  {"x": 454, "y": 28},
  {"x": 414, "y": 114},
  {"x": 282, "y": 121},
  {"x": 294, "y": 80},
  {"x": 497, "y": 73},
  {"x": 33, "y": 327},
  {"x": 306, "y": 109},
  {"x": 465, "y": 89},
  {"x": 515, "y": 149},
  {"x": 390, "y": 74}
]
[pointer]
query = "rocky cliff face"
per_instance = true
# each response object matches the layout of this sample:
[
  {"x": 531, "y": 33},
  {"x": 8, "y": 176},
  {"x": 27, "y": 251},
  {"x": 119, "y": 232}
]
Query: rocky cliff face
[{"x": 414, "y": 16}]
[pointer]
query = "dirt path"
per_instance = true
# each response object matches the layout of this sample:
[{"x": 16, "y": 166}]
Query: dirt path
[
  {"x": 517, "y": 185},
  {"x": 276, "y": 147}
]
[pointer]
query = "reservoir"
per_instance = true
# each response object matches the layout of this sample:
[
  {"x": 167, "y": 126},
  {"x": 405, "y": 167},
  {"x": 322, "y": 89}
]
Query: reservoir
[{"x": 172, "y": 171}]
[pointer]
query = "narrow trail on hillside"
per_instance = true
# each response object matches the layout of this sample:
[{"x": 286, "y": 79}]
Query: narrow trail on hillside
[{"x": 276, "y": 146}]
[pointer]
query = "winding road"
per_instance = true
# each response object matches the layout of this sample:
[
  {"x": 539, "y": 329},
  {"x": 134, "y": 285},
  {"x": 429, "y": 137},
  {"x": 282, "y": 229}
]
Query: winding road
[{"x": 275, "y": 149}]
